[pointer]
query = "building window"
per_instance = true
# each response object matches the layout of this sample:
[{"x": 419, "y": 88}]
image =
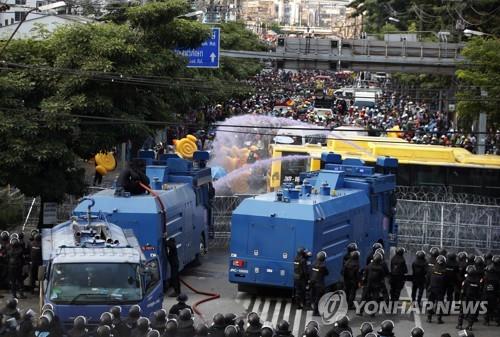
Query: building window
[
  {"x": 20, "y": 2},
  {"x": 6, "y": 22},
  {"x": 11, "y": 21},
  {"x": 19, "y": 16}
]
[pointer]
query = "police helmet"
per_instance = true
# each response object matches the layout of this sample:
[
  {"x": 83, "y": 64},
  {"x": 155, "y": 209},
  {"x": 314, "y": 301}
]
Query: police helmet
[
  {"x": 345, "y": 333},
  {"x": 104, "y": 331},
  {"x": 479, "y": 261},
  {"x": 38, "y": 237},
  {"x": 496, "y": 260},
  {"x": 185, "y": 315},
  {"x": 5, "y": 236},
  {"x": 472, "y": 258},
  {"x": 14, "y": 236},
  {"x": 267, "y": 331},
  {"x": 352, "y": 247},
  {"x": 434, "y": 252},
  {"x": 116, "y": 311},
  {"x": 229, "y": 318},
  {"x": 377, "y": 245},
  {"x": 311, "y": 331},
  {"x": 28, "y": 314},
  {"x": 417, "y": 332},
  {"x": 377, "y": 258},
  {"x": 21, "y": 236},
  {"x": 135, "y": 311},
  {"x": 34, "y": 232},
  {"x": 321, "y": 256},
  {"x": 283, "y": 327},
  {"x": 47, "y": 306},
  {"x": 143, "y": 324},
  {"x": 12, "y": 303},
  {"x": 301, "y": 251},
  {"x": 253, "y": 319},
  {"x": 371, "y": 334},
  {"x": 201, "y": 330},
  {"x": 182, "y": 298},
  {"x": 400, "y": 251},
  {"x": 343, "y": 322},
  {"x": 354, "y": 254},
  {"x": 44, "y": 322},
  {"x": 79, "y": 323},
  {"x": 160, "y": 315},
  {"x": 218, "y": 320},
  {"x": 386, "y": 328},
  {"x": 171, "y": 326},
  {"x": 451, "y": 256},
  {"x": 230, "y": 331},
  {"x": 380, "y": 251},
  {"x": 420, "y": 255},
  {"x": 14, "y": 241},
  {"x": 106, "y": 319},
  {"x": 462, "y": 256},
  {"x": 441, "y": 260},
  {"x": 488, "y": 256},
  {"x": 471, "y": 269},
  {"x": 153, "y": 333},
  {"x": 365, "y": 328}
]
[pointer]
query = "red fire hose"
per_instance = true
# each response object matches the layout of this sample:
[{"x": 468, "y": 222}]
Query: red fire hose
[{"x": 211, "y": 296}]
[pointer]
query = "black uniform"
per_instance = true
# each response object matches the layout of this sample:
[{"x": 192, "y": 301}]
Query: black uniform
[
  {"x": 374, "y": 282},
  {"x": 491, "y": 293},
  {"x": 398, "y": 272},
  {"x": 461, "y": 267},
  {"x": 15, "y": 263},
  {"x": 130, "y": 178},
  {"x": 300, "y": 278},
  {"x": 176, "y": 308},
  {"x": 4, "y": 244},
  {"x": 471, "y": 294},
  {"x": 352, "y": 278},
  {"x": 318, "y": 273},
  {"x": 173, "y": 261},
  {"x": 451, "y": 277},
  {"x": 36, "y": 259},
  {"x": 436, "y": 290},
  {"x": 420, "y": 271}
]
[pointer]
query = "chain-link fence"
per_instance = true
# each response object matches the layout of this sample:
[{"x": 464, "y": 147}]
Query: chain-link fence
[{"x": 420, "y": 223}]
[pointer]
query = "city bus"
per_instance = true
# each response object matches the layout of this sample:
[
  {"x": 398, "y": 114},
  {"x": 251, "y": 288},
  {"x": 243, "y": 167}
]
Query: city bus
[{"x": 419, "y": 165}]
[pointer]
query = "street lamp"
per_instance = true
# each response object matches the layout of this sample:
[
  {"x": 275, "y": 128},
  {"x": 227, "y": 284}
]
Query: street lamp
[{"x": 55, "y": 5}]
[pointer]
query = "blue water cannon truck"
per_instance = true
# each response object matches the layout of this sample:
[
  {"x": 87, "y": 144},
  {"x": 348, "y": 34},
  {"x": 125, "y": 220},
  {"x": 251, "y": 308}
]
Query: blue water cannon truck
[
  {"x": 178, "y": 206},
  {"x": 343, "y": 202}
]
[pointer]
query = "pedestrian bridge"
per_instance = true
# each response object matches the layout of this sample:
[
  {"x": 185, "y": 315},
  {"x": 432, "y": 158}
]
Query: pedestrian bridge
[{"x": 360, "y": 55}]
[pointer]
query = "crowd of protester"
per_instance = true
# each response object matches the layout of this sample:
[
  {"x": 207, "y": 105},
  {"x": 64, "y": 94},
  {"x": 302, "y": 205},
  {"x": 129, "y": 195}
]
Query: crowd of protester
[{"x": 296, "y": 94}]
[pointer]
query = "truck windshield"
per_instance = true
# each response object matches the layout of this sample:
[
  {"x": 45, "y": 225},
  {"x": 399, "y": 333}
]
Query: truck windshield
[{"x": 76, "y": 283}]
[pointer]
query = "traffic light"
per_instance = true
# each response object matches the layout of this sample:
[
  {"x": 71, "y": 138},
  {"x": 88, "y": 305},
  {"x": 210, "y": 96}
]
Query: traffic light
[{"x": 4, "y": 7}]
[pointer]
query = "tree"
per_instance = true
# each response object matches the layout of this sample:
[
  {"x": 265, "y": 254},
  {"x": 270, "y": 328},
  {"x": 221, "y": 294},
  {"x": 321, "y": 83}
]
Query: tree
[
  {"x": 89, "y": 87},
  {"x": 481, "y": 70}
]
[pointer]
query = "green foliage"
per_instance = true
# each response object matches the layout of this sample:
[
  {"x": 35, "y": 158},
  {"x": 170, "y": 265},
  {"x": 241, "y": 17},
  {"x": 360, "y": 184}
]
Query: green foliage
[
  {"x": 124, "y": 68},
  {"x": 11, "y": 210},
  {"x": 481, "y": 70}
]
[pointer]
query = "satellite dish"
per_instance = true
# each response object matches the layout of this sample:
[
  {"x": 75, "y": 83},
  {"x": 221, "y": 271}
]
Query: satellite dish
[{"x": 283, "y": 140}]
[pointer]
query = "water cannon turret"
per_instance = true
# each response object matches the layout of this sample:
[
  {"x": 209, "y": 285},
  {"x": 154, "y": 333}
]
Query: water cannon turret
[
  {"x": 306, "y": 187},
  {"x": 201, "y": 158},
  {"x": 331, "y": 158},
  {"x": 324, "y": 189},
  {"x": 89, "y": 208},
  {"x": 386, "y": 165}
]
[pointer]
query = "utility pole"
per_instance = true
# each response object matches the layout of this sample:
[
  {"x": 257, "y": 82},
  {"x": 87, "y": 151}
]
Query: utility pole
[{"x": 481, "y": 137}]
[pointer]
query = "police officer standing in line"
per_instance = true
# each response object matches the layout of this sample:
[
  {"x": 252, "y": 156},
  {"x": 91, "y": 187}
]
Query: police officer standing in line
[
  {"x": 491, "y": 290},
  {"x": 451, "y": 276},
  {"x": 398, "y": 273},
  {"x": 420, "y": 271},
  {"x": 300, "y": 277},
  {"x": 173, "y": 261},
  {"x": 375, "y": 247},
  {"x": 318, "y": 273},
  {"x": 350, "y": 248},
  {"x": 437, "y": 288},
  {"x": 36, "y": 259},
  {"x": 374, "y": 280},
  {"x": 462, "y": 266},
  {"x": 352, "y": 277},
  {"x": 471, "y": 292},
  {"x": 15, "y": 260}
]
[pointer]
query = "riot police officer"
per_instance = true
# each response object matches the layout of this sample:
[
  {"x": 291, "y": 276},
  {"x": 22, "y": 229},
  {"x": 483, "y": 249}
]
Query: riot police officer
[
  {"x": 398, "y": 273},
  {"x": 374, "y": 280},
  {"x": 437, "y": 288},
  {"x": 173, "y": 261},
  {"x": 218, "y": 326},
  {"x": 254, "y": 325},
  {"x": 491, "y": 291},
  {"x": 376, "y": 245},
  {"x": 480, "y": 264},
  {"x": 119, "y": 325},
  {"x": 318, "y": 273},
  {"x": 451, "y": 276},
  {"x": 339, "y": 326},
  {"x": 79, "y": 328},
  {"x": 35, "y": 252},
  {"x": 300, "y": 277},
  {"x": 15, "y": 258},
  {"x": 420, "y": 271},
  {"x": 352, "y": 278},
  {"x": 462, "y": 266},
  {"x": 350, "y": 248},
  {"x": 471, "y": 292},
  {"x": 283, "y": 329}
]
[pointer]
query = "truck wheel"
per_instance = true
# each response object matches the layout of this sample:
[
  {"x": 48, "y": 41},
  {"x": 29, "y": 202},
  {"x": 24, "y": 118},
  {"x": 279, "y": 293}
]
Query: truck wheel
[{"x": 201, "y": 252}]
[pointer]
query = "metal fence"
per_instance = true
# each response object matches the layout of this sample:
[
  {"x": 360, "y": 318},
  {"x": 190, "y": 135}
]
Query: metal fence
[{"x": 420, "y": 223}]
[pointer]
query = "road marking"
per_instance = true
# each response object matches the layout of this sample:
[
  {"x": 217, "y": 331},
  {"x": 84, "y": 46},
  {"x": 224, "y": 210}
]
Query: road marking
[
  {"x": 416, "y": 316},
  {"x": 255, "y": 306},
  {"x": 309, "y": 316},
  {"x": 265, "y": 309},
  {"x": 276, "y": 312},
  {"x": 296, "y": 323}
]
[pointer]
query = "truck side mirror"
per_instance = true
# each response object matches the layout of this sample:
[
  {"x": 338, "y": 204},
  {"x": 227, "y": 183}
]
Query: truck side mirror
[{"x": 41, "y": 273}]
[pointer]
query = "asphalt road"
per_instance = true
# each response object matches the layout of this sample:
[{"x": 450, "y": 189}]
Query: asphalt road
[{"x": 212, "y": 276}]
